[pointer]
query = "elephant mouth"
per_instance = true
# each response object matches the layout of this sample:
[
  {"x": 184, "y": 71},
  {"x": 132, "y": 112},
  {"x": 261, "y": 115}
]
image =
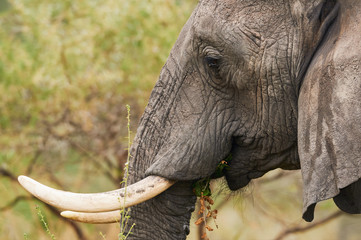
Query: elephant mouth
[{"x": 97, "y": 207}]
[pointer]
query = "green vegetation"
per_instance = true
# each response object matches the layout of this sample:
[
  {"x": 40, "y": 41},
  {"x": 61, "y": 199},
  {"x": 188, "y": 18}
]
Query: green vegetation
[
  {"x": 44, "y": 223},
  {"x": 124, "y": 213},
  {"x": 67, "y": 71},
  {"x": 202, "y": 187}
]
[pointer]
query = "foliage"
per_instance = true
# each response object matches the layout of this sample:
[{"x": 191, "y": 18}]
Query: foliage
[
  {"x": 202, "y": 186},
  {"x": 67, "y": 71},
  {"x": 44, "y": 223},
  {"x": 205, "y": 212},
  {"x": 124, "y": 213},
  {"x": 202, "y": 189}
]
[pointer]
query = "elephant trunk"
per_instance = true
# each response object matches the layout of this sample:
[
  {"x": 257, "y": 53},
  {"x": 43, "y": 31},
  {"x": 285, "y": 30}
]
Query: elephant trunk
[{"x": 167, "y": 215}]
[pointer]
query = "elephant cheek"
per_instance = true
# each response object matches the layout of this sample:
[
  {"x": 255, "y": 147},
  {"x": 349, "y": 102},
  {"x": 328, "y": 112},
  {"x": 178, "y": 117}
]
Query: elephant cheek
[
  {"x": 236, "y": 182},
  {"x": 190, "y": 155},
  {"x": 181, "y": 164},
  {"x": 241, "y": 169},
  {"x": 248, "y": 164}
]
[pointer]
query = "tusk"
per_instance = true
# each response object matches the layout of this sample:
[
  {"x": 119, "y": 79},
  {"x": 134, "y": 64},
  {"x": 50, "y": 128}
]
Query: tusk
[
  {"x": 134, "y": 194},
  {"x": 95, "y": 218}
]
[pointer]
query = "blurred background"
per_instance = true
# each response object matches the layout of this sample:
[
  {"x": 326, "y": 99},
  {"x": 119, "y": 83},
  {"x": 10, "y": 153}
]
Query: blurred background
[{"x": 67, "y": 71}]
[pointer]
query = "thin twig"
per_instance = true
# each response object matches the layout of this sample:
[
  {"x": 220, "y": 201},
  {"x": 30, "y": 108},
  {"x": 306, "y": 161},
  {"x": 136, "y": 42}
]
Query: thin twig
[
  {"x": 33, "y": 162},
  {"x": 12, "y": 203},
  {"x": 55, "y": 211},
  {"x": 74, "y": 225},
  {"x": 8, "y": 174},
  {"x": 85, "y": 152},
  {"x": 94, "y": 161},
  {"x": 201, "y": 226},
  {"x": 308, "y": 227}
]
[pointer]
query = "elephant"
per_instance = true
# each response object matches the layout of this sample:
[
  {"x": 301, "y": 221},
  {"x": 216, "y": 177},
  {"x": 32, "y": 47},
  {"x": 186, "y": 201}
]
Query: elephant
[{"x": 273, "y": 84}]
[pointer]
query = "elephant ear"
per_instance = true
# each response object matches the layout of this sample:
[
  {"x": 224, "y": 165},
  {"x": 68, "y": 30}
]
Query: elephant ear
[{"x": 329, "y": 133}]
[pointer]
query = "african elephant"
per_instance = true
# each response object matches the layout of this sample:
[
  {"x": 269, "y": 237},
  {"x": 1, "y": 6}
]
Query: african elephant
[{"x": 273, "y": 83}]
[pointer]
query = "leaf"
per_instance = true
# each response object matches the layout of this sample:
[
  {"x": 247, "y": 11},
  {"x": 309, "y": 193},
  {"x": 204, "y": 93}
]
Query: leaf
[
  {"x": 207, "y": 192},
  {"x": 209, "y": 200},
  {"x": 209, "y": 228},
  {"x": 199, "y": 221},
  {"x": 201, "y": 209},
  {"x": 202, "y": 187},
  {"x": 204, "y": 235},
  {"x": 223, "y": 165}
]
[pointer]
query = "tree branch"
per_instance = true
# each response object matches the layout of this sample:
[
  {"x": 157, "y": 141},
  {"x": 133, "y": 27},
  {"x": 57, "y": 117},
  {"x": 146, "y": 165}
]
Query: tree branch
[
  {"x": 14, "y": 202},
  {"x": 308, "y": 227},
  {"x": 8, "y": 174},
  {"x": 55, "y": 211}
]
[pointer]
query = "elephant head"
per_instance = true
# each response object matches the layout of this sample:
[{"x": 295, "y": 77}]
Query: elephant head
[{"x": 260, "y": 80}]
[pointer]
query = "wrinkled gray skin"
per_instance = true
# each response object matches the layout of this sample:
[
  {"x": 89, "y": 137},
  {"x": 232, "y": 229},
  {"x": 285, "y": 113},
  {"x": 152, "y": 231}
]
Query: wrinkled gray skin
[
  {"x": 231, "y": 85},
  {"x": 330, "y": 116}
]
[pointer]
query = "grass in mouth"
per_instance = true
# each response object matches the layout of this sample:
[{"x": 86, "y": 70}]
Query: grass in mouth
[{"x": 201, "y": 189}]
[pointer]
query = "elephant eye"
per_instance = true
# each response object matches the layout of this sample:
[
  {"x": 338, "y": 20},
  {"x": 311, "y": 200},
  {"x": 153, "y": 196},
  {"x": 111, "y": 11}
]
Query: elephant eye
[{"x": 212, "y": 62}]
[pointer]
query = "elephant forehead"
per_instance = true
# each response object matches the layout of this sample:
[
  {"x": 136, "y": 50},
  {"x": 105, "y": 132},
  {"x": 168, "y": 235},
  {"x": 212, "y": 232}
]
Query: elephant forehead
[
  {"x": 237, "y": 17},
  {"x": 220, "y": 12}
]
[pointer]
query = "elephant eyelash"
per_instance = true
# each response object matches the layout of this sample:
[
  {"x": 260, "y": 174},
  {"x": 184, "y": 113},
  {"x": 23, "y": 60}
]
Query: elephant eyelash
[{"x": 212, "y": 62}]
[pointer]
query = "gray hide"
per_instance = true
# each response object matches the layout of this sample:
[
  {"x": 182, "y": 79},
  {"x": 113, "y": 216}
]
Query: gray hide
[
  {"x": 329, "y": 125},
  {"x": 231, "y": 85}
]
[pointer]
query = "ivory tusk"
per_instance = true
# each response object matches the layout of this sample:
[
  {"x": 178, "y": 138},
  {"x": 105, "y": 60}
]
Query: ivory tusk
[
  {"x": 95, "y": 218},
  {"x": 134, "y": 194}
]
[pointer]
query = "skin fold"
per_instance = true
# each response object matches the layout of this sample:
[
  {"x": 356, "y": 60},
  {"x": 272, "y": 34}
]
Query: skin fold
[
  {"x": 329, "y": 117},
  {"x": 264, "y": 84},
  {"x": 230, "y": 86}
]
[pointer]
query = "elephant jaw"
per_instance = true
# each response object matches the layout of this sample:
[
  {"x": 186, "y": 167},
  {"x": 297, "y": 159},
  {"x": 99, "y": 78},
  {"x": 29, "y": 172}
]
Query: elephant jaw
[{"x": 97, "y": 207}]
